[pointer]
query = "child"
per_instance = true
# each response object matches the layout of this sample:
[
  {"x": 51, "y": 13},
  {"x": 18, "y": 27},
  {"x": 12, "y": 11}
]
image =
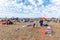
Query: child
[
  {"x": 49, "y": 30},
  {"x": 34, "y": 25}
]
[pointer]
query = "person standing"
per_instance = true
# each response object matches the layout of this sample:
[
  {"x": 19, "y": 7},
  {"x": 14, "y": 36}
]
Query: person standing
[
  {"x": 41, "y": 22},
  {"x": 34, "y": 25}
]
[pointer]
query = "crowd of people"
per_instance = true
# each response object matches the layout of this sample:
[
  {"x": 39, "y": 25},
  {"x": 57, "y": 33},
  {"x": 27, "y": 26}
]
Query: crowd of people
[
  {"x": 12, "y": 21},
  {"x": 42, "y": 23}
]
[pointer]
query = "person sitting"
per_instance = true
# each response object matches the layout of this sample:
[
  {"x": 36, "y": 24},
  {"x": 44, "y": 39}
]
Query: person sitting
[
  {"x": 45, "y": 24},
  {"x": 9, "y": 22},
  {"x": 49, "y": 30}
]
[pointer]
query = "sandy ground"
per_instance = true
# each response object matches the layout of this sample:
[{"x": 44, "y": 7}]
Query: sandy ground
[{"x": 8, "y": 32}]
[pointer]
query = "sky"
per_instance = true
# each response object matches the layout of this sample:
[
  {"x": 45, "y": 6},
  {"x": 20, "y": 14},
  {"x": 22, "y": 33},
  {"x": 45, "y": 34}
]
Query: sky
[{"x": 30, "y": 8}]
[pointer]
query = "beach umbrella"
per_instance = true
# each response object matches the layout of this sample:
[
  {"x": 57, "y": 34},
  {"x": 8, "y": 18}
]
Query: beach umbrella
[{"x": 43, "y": 18}]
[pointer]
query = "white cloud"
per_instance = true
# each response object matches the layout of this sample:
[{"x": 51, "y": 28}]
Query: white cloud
[
  {"x": 55, "y": 1},
  {"x": 10, "y": 8},
  {"x": 31, "y": 1},
  {"x": 40, "y": 1}
]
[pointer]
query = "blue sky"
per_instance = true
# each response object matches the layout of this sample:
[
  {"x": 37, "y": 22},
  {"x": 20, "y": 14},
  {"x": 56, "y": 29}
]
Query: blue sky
[{"x": 30, "y": 8}]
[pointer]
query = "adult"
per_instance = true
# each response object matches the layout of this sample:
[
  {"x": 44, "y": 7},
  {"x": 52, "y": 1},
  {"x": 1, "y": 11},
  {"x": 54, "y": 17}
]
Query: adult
[{"x": 41, "y": 22}]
